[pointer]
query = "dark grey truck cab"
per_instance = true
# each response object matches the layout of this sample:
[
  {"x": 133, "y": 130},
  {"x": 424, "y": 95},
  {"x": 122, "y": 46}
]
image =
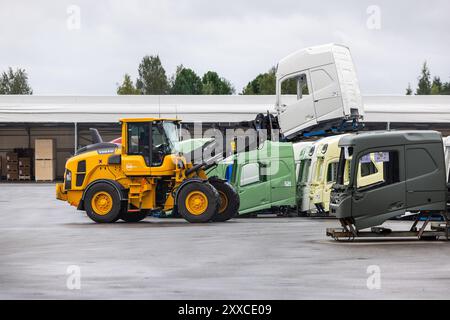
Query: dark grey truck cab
[{"x": 413, "y": 177}]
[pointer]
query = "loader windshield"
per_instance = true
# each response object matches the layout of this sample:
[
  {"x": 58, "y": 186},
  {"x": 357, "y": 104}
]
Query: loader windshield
[
  {"x": 171, "y": 131},
  {"x": 165, "y": 138}
]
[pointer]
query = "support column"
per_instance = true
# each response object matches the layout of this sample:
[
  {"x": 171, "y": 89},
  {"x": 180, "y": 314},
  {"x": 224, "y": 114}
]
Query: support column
[{"x": 75, "y": 137}]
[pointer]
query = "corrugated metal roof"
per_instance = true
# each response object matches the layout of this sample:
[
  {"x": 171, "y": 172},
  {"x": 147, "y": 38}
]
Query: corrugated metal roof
[{"x": 208, "y": 108}]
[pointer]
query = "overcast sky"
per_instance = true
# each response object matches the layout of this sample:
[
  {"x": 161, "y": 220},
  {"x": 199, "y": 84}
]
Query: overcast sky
[{"x": 238, "y": 39}]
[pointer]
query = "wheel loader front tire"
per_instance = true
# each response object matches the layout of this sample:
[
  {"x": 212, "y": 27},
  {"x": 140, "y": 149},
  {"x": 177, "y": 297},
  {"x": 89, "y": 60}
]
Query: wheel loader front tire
[
  {"x": 197, "y": 202},
  {"x": 102, "y": 203},
  {"x": 229, "y": 201}
]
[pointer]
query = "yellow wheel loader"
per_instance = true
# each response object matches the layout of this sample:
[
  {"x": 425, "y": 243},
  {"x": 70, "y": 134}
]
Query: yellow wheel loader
[{"x": 143, "y": 174}]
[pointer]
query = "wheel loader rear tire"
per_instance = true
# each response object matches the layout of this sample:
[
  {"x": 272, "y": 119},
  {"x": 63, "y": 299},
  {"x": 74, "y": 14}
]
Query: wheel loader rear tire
[
  {"x": 102, "y": 203},
  {"x": 229, "y": 201},
  {"x": 197, "y": 202}
]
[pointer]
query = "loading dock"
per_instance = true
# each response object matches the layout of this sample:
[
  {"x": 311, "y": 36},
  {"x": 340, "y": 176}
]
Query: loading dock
[{"x": 67, "y": 119}]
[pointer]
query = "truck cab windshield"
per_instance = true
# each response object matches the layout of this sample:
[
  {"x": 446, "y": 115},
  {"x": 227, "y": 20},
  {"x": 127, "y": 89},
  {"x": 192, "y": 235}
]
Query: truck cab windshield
[{"x": 343, "y": 174}]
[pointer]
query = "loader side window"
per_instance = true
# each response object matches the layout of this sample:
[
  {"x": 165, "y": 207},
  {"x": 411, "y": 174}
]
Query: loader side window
[{"x": 139, "y": 140}]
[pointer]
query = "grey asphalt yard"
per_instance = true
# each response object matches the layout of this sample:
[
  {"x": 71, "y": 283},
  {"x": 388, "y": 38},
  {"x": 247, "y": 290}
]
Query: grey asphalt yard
[{"x": 251, "y": 258}]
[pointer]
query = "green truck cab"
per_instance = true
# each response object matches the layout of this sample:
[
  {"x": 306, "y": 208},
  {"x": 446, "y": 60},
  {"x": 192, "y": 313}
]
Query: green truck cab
[{"x": 264, "y": 178}]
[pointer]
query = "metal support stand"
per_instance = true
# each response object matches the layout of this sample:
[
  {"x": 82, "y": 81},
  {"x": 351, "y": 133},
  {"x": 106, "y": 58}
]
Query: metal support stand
[{"x": 348, "y": 231}]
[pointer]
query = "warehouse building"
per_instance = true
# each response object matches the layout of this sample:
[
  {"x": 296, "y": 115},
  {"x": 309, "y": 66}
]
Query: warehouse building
[{"x": 66, "y": 119}]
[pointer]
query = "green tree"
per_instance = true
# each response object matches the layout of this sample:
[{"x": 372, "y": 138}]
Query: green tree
[
  {"x": 15, "y": 82},
  {"x": 127, "y": 86},
  {"x": 186, "y": 81},
  {"x": 264, "y": 83},
  {"x": 213, "y": 84},
  {"x": 409, "y": 90},
  {"x": 152, "y": 76},
  {"x": 446, "y": 88},
  {"x": 436, "y": 86},
  {"x": 424, "y": 85}
]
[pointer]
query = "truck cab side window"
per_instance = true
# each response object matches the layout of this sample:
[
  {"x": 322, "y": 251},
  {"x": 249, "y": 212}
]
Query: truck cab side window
[
  {"x": 378, "y": 169},
  {"x": 368, "y": 168},
  {"x": 332, "y": 172},
  {"x": 250, "y": 174}
]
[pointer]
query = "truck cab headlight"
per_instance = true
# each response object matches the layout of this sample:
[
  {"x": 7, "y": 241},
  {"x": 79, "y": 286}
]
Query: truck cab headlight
[{"x": 68, "y": 175}]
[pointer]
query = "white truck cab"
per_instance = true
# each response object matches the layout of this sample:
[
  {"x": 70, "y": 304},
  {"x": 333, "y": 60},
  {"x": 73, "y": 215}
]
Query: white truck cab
[{"x": 327, "y": 89}]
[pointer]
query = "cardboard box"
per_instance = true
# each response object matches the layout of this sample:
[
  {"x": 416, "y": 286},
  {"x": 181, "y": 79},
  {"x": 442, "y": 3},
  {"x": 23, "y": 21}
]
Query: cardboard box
[
  {"x": 12, "y": 176},
  {"x": 24, "y": 162},
  {"x": 11, "y": 156},
  {"x": 12, "y": 166},
  {"x": 24, "y": 171},
  {"x": 44, "y": 149},
  {"x": 44, "y": 170}
]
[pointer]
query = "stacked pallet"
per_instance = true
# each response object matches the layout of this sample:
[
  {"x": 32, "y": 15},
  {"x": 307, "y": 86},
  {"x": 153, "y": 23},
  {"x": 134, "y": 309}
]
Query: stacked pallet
[
  {"x": 12, "y": 166},
  {"x": 45, "y": 160},
  {"x": 24, "y": 168}
]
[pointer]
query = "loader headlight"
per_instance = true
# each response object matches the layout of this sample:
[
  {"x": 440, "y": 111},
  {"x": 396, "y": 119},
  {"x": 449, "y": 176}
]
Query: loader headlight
[{"x": 68, "y": 181}]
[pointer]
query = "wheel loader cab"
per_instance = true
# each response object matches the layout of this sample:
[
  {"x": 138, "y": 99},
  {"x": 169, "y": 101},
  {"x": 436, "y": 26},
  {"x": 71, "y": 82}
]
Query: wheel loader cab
[{"x": 148, "y": 146}]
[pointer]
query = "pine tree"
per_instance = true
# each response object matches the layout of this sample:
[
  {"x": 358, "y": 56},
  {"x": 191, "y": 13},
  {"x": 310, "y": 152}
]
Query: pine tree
[
  {"x": 409, "y": 90},
  {"x": 424, "y": 85},
  {"x": 15, "y": 82},
  {"x": 127, "y": 86},
  {"x": 186, "y": 81},
  {"x": 152, "y": 76},
  {"x": 436, "y": 86}
]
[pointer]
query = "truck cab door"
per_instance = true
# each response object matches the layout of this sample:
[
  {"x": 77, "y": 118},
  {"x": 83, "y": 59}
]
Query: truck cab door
[
  {"x": 253, "y": 187},
  {"x": 326, "y": 93},
  {"x": 302, "y": 185},
  {"x": 137, "y": 156},
  {"x": 330, "y": 180},
  {"x": 384, "y": 198},
  {"x": 300, "y": 114},
  {"x": 282, "y": 182}
]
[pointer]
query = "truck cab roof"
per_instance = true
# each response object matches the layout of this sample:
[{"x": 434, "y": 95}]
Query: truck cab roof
[{"x": 375, "y": 139}]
